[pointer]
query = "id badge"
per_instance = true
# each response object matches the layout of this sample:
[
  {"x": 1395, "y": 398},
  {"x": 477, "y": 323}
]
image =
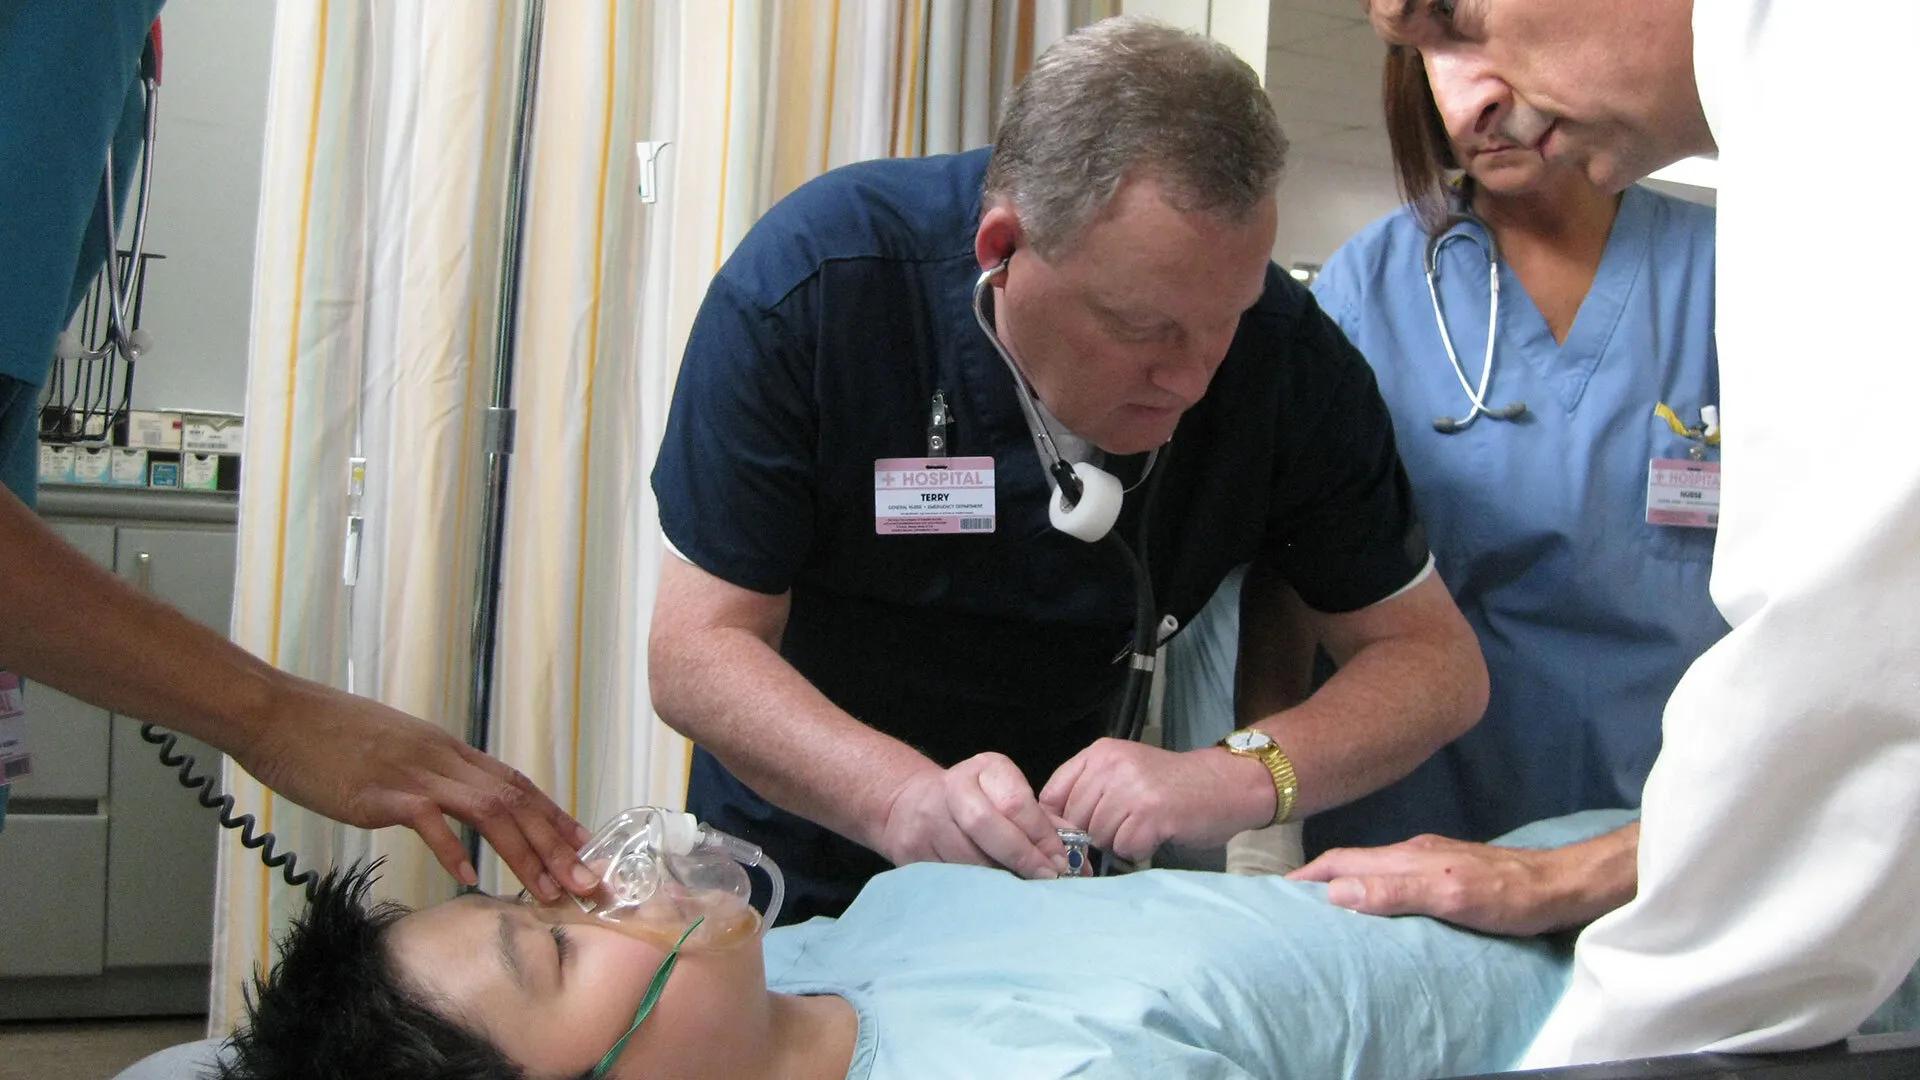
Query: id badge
[
  {"x": 14, "y": 762},
  {"x": 929, "y": 496},
  {"x": 1683, "y": 492}
]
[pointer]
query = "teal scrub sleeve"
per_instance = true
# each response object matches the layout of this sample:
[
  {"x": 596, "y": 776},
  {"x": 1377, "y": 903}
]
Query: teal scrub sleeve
[{"x": 68, "y": 83}]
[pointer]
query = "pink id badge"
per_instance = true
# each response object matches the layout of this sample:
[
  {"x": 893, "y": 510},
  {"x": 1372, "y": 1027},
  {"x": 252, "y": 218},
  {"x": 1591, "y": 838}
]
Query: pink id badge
[
  {"x": 14, "y": 761},
  {"x": 929, "y": 496},
  {"x": 1684, "y": 492}
]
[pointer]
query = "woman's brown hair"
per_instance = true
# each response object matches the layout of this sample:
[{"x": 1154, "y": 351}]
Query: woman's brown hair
[{"x": 1422, "y": 154}]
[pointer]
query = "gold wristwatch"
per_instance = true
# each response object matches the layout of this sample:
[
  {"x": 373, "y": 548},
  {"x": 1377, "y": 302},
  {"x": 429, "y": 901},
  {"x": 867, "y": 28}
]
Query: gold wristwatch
[{"x": 1256, "y": 744}]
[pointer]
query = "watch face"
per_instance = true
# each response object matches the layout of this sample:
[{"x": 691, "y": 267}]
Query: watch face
[{"x": 1249, "y": 740}]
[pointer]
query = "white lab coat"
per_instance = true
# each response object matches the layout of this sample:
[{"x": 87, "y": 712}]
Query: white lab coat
[{"x": 1779, "y": 896}]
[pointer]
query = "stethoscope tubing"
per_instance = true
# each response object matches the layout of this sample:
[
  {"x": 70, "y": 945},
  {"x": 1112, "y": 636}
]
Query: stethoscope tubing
[
  {"x": 1130, "y": 716},
  {"x": 119, "y": 299},
  {"x": 1476, "y": 396}
]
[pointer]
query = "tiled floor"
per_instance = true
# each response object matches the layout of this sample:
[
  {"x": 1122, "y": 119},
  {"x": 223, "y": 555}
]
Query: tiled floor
[{"x": 86, "y": 1049}]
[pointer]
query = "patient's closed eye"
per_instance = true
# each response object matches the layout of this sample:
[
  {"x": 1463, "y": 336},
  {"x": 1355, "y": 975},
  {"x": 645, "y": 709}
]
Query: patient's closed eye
[{"x": 562, "y": 944}]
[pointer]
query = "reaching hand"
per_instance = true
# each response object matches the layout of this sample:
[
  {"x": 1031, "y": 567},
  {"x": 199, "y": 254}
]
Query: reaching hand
[
  {"x": 979, "y": 811},
  {"x": 1498, "y": 890},
  {"x": 1132, "y": 798},
  {"x": 360, "y": 762}
]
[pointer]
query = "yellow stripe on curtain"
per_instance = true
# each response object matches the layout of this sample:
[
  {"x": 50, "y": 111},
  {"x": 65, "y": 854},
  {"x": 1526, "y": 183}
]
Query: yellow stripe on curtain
[
  {"x": 245, "y": 894},
  {"x": 552, "y": 660},
  {"x": 302, "y": 233}
]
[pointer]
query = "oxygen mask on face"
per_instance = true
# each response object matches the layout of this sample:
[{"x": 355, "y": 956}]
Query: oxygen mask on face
[{"x": 661, "y": 872}]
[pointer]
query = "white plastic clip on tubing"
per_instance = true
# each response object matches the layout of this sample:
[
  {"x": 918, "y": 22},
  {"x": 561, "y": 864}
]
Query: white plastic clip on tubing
[{"x": 1099, "y": 507}]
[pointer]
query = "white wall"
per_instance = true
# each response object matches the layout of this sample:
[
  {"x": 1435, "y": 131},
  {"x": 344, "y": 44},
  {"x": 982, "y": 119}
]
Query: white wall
[
  {"x": 206, "y": 194},
  {"x": 1323, "y": 74},
  {"x": 1324, "y": 202}
]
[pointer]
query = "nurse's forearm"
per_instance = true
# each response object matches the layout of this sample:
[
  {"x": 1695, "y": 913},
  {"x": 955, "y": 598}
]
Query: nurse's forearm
[
  {"x": 728, "y": 690},
  {"x": 1594, "y": 877},
  {"x": 77, "y": 628}
]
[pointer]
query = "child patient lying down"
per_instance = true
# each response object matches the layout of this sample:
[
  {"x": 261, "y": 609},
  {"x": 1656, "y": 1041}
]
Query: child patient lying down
[{"x": 935, "y": 970}]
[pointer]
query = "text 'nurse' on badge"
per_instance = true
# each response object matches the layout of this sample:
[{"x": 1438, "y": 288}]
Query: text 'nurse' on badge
[{"x": 1683, "y": 492}]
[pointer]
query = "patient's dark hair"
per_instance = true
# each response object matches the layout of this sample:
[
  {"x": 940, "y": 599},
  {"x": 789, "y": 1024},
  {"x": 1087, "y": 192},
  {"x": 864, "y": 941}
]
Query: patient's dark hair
[{"x": 333, "y": 1005}]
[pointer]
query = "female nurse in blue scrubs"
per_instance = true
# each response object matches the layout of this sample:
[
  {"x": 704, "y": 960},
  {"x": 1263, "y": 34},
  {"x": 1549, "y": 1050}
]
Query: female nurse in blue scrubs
[{"x": 1536, "y": 497}]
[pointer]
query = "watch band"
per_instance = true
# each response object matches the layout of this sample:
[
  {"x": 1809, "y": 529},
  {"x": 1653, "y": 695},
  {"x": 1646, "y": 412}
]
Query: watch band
[{"x": 1286, "y": 785}]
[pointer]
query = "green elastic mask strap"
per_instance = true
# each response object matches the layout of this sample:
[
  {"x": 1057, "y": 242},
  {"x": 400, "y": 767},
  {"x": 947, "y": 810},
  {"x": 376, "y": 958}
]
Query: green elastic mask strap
[{"x": 654, "y": 989}]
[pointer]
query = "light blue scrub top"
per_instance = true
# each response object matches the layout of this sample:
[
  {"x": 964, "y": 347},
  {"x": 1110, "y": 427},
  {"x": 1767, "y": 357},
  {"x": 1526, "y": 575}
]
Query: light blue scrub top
[{"x": 1587, "y": 614}]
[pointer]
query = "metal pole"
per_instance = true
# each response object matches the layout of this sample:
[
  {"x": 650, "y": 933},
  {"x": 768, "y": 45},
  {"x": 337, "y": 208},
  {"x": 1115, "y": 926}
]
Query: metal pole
[{"x": 498, "y": 433}]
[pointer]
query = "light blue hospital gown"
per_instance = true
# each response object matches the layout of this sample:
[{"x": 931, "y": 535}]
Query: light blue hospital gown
[
  {"x": 1587, "y": 614},
  {"x": 968, "y": 972}
]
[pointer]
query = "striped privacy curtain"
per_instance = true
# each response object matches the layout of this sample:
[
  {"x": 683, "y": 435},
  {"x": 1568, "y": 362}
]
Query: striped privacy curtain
[{"x": 373, "y": 337}]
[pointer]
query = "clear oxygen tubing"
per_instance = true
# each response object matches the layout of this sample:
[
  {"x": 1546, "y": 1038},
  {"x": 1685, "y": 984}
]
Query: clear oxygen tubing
[{"x": 747, "y": 854}]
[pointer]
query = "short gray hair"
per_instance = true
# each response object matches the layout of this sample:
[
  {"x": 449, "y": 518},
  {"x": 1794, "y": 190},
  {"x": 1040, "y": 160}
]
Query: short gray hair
[{"x": 1130, "y": 94}]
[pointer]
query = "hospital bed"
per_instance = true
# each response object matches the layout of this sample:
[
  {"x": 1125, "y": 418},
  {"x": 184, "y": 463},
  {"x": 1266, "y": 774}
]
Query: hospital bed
[{"x": 1865, "y": 1057}]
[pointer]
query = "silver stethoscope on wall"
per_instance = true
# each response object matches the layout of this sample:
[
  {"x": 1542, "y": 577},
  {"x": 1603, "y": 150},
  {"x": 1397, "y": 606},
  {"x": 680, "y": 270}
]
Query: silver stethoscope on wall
[
  {"x": 121, "y": 280},
  {"x": 1476, "y": 396}
]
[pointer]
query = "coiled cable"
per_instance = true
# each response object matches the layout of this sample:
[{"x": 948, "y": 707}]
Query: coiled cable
[{"x": 202, "y": 787}]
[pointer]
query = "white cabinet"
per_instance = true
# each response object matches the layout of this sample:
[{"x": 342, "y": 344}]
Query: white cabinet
[{"x": 106, "y": 862}]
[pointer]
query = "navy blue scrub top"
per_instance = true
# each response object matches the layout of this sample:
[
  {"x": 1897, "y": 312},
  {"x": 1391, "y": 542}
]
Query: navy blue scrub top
[{"x": 818, "y": 350}]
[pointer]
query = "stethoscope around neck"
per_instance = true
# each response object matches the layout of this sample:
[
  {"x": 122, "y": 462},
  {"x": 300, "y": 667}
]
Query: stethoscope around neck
[
  {"x": 1086, "y": 504},
  {"x": 1476, "y": 396}
]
